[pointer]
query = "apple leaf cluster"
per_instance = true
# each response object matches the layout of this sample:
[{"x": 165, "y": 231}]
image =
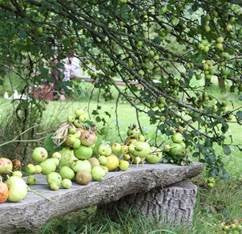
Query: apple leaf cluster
[{"x": 157, "y": 48}]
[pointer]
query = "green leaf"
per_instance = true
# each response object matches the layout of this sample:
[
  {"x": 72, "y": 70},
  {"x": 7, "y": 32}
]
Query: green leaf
[
  {"x": 108, "y": 114},
  {"x": 239, "y": 115},
  {"x": 95, "y": 112},
  {"x": 224, "y": 127},
  {"x": 49, "y": 144},
  {"x": 98, "y": 119},
  {"x": 196, "y": 154},
  {"x": 226, "y": 149}
]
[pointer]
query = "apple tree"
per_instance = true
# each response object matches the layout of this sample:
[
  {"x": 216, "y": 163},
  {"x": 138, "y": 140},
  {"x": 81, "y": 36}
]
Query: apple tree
[{"x": 159, "y": 49}]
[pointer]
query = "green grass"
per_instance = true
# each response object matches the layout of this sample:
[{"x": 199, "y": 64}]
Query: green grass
[
  {"x": 59, "y": 111},
  {"x": 216, "y": 205}
]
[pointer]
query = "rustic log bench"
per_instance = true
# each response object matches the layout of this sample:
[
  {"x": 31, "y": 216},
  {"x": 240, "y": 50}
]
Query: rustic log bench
[{"x": 161, "y": 191}]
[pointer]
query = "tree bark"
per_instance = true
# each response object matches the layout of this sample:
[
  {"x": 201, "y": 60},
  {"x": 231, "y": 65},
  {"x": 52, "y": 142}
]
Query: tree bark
[
  {"x": 221, "y": 83},
  {"x": 173, "y": 204}
]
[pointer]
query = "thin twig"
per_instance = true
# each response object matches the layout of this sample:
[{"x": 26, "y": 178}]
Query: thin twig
[{"x": 116, "y": 117}]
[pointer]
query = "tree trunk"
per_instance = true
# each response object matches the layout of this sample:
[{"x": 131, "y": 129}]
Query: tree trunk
[
  {"x": 221, "y": 84},
  {"x": 173, "y": 205}
]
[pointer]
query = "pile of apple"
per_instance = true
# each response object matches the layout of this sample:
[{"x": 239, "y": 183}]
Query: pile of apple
[
  {"x": 76, "y": 161},
  {"x": 14, "y": 189},
  {"x": 82, "y": 160},
  {"x": 136, "y": 148}
]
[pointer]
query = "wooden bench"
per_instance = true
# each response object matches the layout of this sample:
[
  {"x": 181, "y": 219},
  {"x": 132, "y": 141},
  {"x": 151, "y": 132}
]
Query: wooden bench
[{"x": 161, "y": 191}]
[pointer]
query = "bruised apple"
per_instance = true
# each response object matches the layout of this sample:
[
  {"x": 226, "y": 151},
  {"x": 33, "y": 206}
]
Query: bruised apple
[
  {"x": 88, "y": 138},
  {"x": 6, "y": 166}
]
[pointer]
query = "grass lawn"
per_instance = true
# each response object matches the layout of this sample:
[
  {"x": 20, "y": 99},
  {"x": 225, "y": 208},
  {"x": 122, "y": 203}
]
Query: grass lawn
[{"x": 219, "y": 204}]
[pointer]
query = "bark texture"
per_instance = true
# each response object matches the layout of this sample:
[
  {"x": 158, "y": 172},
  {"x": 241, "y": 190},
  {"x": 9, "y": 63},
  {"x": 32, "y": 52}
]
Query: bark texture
[
  {"x": 35, "y": 210},
  {"x": 173, "y": 204}
]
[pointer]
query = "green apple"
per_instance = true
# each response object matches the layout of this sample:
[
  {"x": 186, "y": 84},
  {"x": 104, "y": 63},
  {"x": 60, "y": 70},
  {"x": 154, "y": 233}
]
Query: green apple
[
  {"x": 125, "y": 149},
  {"x": 38, "y": 169},
  {"x": 88, "y": 138},
  {"x": 131, "y": 148},
  {"x": 123, "y": 165},
  {"x": 30, "y": 169},
  {"x": 137, "y": 160},
  {"x": 56, "y": 155},
  {"x": 229, "y": 27},
  {"x": 67, "y": 173},
  {"x": 166, "y": 148},
  {"x": 116, "y": 148},
  {"x": 39, "y": 154},
  {"x": 54, "y": 160},
  {"x": 18, "y": 189},
  {"x": 98, "y": 173},
  {"x": 31, "y": 180},
  {"x": 76, "y": 144},
  {"x": 83, "y": 152},
  {"x": 82, "y": 165},
  {"x": 48, "y": 166},
  {"x": 17, "y": 173},
  {"x": 77, "y": 123},
  {"x": 142, "y": 149},
  {"x": 67, "y": 157},
  {"x": 220, "y": 39},
  {"x": 54, "y": 186},
  {"x": 70, "y": 140},
  {"x": 219, "y": 46},
  {"x": 141, "y": 138},
  {"x": 103, "y": 160},
  {"x": 154, "y": 157},
  {"x": 105, "y": 169},
  {"x": 72, "y": 130},
  {"x": 54, "y": 178},
  {"x": 104, "y": 149},
  {"x": 80, "y": 112},
  {"x": 66, "y": 183},
  {"x": 177, "y": 149},
  {"x": 177, "y": 137},
  {"x": 94, "y": 161},
  {"x": 127, "y": 157}
]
